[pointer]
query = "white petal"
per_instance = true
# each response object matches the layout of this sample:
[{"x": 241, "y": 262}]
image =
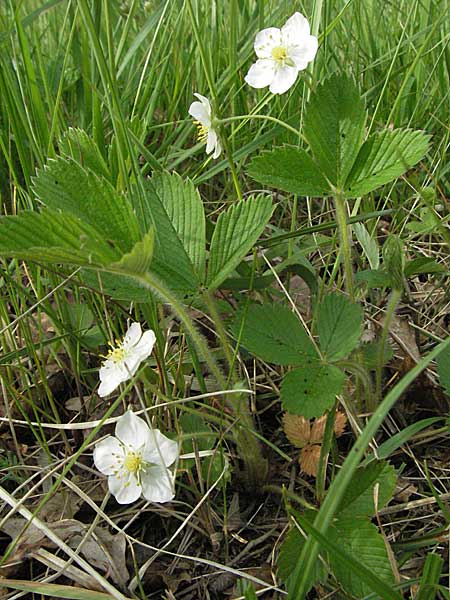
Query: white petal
[
  {"x": 261, "y": 73},
  {"x": 133, "y": 335},
  {"x": 145, "y": 345},
  {"x": 217, "y": 150},
  {"x": 284, "y": 78},
  {"x": 125, "y": 489},
  {"x": 108, "y": 455},
  {"x": 157, "y": 484},
  {"x": 201, "y": 111},
  {"x": 266, "y": 40},
  {"x": 132, "y": 431},
  {"x": 204, "y": 100},
  {"x": 131, "y": 363},
  {"x": 111, "y": 376},
  {"x": 295, "y": 30},
  {"x": 304, "y": 53},
  {"x": 159, "y": 450},
  {"x": 211, "y": 141}
]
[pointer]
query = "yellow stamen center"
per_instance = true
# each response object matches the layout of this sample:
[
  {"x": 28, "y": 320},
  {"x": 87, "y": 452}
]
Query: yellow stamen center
[
  {"x": 279, "y": 54},
  {"x": 117, "y": 354},
  {"x": 202, "y": 131},
  {"x": 133, "y": 462}
]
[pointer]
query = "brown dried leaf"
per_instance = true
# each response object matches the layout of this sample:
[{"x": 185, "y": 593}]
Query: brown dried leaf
[
  {"x": 101, "y": 549},
  {"x": 297, "y": 429},
  {"x": 318, "y": 429},
  {"x": 340, "y": 423},
  {"x": 309, "y": 459}
]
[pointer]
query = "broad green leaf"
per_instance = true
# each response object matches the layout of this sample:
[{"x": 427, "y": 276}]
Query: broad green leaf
[
  {"x": 236, "y": 231},
  {"x": 77, "y": 144},
  {"x": 350, "y": 568},
  {"x": 423, "y": 264},
  {"x": 443, "y": 368},
  {"x": 274, "y": 334},
  {"x": 139, "y": 259},
  {"x": 171, "y": 261},
  {"x": 339, "y": 326},
  {"x": 65, "y": 185},
  {"x": 289, "y": 550},
  {"x": 334, "y": 126},
  {"x": 119, "y": 287},
  {"x": 358, "y": 500},
  {"x": 368, "y": 243},
  {"x": 291, "y": 170},
  {"x": 311, "y": 389},
  {"x": 49, "y": 236},
  {"x": 184, "y": 208},
  {"x": 374, "y": 278},
  {"x": 360, "y": 540},
  {"x": 383, "y": 157}
]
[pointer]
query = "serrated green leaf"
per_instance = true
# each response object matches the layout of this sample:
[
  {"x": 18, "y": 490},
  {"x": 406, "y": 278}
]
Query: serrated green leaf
[
  {"x": 274, "y": 334},
  {"x": 443, "y": 368},
  {"x": 139, "y": 259},
  {"x": 65, "y": 185},
  {"x": 184, "y": 208},
  {"x": 289, "y": 551},
  {"x": 311, "y": 389},
  {"x": 171, "y": 262},
  {"x": 383, "y": 157},
  {"x": 119, "y": 287},
  {"x": 339, "y": 326},
  {"x": 358, "y": 500},
  {"x": 236, "y": 231},
  {"x": 374, "y": 279},
  {"x": 360, "y": 540},
  {"x": 334, "y": 126},
  {"x": 77, "y": 144},
  {"x": 49, "y": 236},
  {"x": 291, "y": 170},
  {"x": 423, "y": 264}
]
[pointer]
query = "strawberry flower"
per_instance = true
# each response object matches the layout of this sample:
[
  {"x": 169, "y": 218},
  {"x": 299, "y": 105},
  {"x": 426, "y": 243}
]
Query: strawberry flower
[
  {"x": 123, "y": 360},
  {"x": 201, "y": 112},
  {"x": 282, "y": 53},
  {"x": 136, "y": 461}
]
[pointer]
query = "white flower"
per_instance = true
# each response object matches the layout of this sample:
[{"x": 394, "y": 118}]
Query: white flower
[
  {"x": 201, "y": 111},
  {"x": 123, "y": 360},
  {"x": 282, "y": 53},
  {"x": 136, "y": 461}
]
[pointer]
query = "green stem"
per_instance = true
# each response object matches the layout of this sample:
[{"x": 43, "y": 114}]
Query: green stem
[
  {"x": 246, "y": 441},
  {"x": 390, "y": 310},
  {"x": 248, "y": 445},
  {"x": 345, "y": 236},
  {"x": 263, "y": 118}
]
